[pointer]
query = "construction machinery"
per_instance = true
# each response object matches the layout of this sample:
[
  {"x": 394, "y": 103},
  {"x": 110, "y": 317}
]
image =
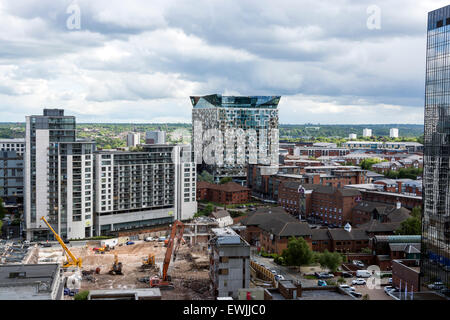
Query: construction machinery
[
  {"x": 149, "y": 262},
  {"x": 116, "y": 267},
  {"x": 176, "y": 235},
  {"x": 72, "y": 261}
]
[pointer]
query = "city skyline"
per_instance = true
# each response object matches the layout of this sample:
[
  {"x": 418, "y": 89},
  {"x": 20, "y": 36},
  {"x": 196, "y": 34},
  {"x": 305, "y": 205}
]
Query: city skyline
[{"x": 141, "y": 63}]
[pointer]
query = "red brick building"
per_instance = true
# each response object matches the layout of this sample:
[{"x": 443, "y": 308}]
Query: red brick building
[
  {"x": 227, "y": 193},
  {"x": 365, "y": 211}
]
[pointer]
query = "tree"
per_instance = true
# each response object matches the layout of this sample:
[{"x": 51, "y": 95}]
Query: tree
[
  {"x": 412, "y": 225},
  {"x": 367, "y": 164},
  {"x": 297, "y": 253},
  {"x": 2, "y": 209},
  {"x": 330, "y": 260},
  {"x": 225, "y": 180},
  {"x": 206, "y": 176}
]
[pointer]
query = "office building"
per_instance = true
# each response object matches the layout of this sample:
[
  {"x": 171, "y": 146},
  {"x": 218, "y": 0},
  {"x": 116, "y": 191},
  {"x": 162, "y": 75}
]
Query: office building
[
  {"x": 229, "y": 262},
  {"x": 155, "y": 137},
  {"x": 248, "y": 126},
  {"x": 144, "y": 188},
  {"x": 58, "y": 182},
  {"x": 367, "y": 132},
  {"x": 393, "y": 133},
  {"x": 133, "y": 139},
  {"x": 435, "y": 255}
]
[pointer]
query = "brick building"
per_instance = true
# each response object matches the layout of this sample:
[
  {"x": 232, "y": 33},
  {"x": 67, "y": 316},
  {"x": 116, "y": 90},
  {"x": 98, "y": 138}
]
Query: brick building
[
  {"x": 275, "y": 234},
  {"x": 227, "y": 193},
  {"x": 365, "y": 211}
]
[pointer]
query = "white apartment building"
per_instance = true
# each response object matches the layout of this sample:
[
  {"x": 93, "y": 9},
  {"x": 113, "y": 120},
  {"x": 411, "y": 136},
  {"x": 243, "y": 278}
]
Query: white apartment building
[
  {"x": 352, "y": 136},
  {"x": 393, "y": 133},
  {"x": 133, "y": 139},
  {"x": 367, "y": 132},
  {"x": 145, "y": 188},
  {"x": 58, "y": 183}
]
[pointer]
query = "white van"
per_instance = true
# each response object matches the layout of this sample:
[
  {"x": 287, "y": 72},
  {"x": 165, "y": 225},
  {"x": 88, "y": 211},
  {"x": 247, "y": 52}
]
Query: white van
[{"x": 363, "y": 274}]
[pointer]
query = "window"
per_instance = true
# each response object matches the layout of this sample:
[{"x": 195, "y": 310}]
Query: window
[{"x": 223, "y": 271}]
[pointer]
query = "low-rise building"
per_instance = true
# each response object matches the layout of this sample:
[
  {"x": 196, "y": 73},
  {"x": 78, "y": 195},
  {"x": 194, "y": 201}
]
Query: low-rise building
[
  {"x": 227, "y": 193},
  {"x": 31, "y": 282},
  {"x": 229, "y": 263}
]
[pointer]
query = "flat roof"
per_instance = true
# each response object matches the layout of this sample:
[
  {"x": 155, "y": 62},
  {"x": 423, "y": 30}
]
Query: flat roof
[{"x": 23, "y": 274}]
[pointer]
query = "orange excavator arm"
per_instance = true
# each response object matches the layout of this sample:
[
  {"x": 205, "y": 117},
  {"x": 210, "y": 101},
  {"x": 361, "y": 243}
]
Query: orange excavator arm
[{"x": 176, "y": 233}]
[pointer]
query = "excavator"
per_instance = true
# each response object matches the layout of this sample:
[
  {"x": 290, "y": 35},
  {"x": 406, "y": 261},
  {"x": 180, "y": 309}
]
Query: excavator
[
  {"x": 149, "y": 262},
  {"x": 72, "y": 261},
  {"x": 117, "y": 266},
  {"x": 176, "y": 234}
]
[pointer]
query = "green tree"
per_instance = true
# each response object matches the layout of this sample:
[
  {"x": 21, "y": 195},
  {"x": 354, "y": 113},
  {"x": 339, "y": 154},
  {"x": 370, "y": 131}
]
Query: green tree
[
  {"x": 206, "y": 176},
  {"x": 412, "y": 225},
  {"x": 225, "y": 180},
  {"x": 367, "y": 164},
  {"x": 297, "y": 253},
  {"x": 330, "y": 260},
  {"x": 82, "y": 295},
  {"x": 2, "y": 209}
]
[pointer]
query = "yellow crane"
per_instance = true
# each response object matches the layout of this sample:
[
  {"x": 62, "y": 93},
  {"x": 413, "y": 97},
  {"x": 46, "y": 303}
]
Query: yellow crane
[{"x": 72, "y": 261}]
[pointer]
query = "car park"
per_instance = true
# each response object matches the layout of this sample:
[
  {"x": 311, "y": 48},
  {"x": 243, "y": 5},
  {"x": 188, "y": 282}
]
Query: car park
[
  {"x": 323, "y": 275},
  {"x": 363, "y": 274},
  {"x": 359, "y": 281},
  {"x": 148, "y": 239}
]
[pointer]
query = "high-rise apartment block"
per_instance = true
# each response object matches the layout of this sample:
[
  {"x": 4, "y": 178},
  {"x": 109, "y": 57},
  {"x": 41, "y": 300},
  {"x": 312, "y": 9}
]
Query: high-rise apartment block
[
  {"x": 231, "y": 131},
  {"x": 367, "y": 132},
  {"x": 435, "y": 255},
  {"x": 17, "y": 145},
  {"x": 58, "y": 177},
  {"x": 83, "y": 192},
  {"x": 393, "y": 133},
  {"x": 155, "y": 137},
  {"x": 133, "y": 139},
  {"x": 146, "y": 188}
]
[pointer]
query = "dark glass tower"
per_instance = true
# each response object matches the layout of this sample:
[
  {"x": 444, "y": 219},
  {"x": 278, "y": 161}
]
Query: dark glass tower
[{"x": 435, "y": 256}]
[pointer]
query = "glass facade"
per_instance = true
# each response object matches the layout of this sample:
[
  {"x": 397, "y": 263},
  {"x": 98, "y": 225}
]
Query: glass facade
[
  {"x": 435, "y": 258},
  {"x": 237, "y": 112}
]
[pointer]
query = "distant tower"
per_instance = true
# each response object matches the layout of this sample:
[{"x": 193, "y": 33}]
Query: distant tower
[
  {"x": 352, "y": 136},
  {"x": 393, "y": 133},
  {"x": 367, "y": 132},
  {"x": 155, "y": 137},
  {"x": 133, "y": 139}
]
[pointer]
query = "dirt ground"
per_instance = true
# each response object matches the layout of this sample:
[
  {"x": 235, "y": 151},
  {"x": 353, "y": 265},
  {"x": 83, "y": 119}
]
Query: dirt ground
[{"x": 190, "y": 282}]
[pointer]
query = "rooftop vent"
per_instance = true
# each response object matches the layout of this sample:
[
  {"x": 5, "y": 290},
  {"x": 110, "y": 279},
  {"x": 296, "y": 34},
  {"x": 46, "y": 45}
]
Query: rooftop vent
[{"x": 348, "y": 227}]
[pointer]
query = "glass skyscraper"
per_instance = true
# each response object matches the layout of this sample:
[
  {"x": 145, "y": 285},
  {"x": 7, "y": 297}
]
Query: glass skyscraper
[
  {"x": 254, "y": 119},
  {"x": 435, "y": 258}
]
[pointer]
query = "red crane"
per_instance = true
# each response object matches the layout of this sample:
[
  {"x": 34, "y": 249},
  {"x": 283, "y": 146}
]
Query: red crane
[{"x": 175, "y": 235}]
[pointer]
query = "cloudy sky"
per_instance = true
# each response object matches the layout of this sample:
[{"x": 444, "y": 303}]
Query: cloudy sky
[{"x": 139, "y": 61}]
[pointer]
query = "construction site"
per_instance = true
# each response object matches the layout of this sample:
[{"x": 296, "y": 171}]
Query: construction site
[{"x": 179, "y": 269}]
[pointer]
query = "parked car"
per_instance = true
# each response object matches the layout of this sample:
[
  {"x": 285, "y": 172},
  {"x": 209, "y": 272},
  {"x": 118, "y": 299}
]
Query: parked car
[
  {"x": 359, "y": 281},
  {"x": 347, "y": 275},
  {"x": 387, "y": 289},
  {"x": 148, "y": 239},
  {"x": 356, "y": 294},
  {"x": 347, "y": 287},
  {"x": 279, "y": 277},
  {"x": 436, "y": 286},
  {"x": 358, "y": 263},
  {"x": 323, "y": 275},
  {"x": 273, "y": 271},
  {"x": 130, "y": 243},
  {"x": 161, "y": 239},
  {"x": 390, "y": 280},
  {"x": 321, "y": 283},
  {"x": 363, "y": 274}
]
